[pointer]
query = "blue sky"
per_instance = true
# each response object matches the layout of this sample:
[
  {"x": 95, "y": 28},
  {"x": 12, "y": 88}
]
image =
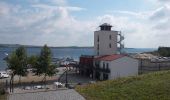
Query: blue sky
[{"x": 144, "y": 23}]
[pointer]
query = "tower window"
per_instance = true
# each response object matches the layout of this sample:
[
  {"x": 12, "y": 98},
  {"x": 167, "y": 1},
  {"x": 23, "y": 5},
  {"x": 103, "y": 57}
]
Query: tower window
[
  {"x": 110, "y": 45},
  {"x": 110, "y": 37},
  {"x": 97, "y": 46},
  {"x": 97, "y": 52},
  {"x": 98, "y": 38}
]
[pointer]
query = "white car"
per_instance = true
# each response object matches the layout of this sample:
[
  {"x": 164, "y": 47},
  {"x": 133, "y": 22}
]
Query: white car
[
  {"x": 27, "y": 88},
  {"x": 58, "y": 84},
  {"x": 4, "y": 75},
  {"x": 38, "y": 87}
]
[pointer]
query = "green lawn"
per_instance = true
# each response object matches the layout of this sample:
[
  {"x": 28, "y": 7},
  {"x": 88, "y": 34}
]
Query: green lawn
[
  {"x": 153, "y": 86},
  {"x": 3, "y": 97}
]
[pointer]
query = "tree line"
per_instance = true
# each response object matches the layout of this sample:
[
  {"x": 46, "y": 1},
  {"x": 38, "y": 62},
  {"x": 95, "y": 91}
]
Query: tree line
[
  {"x": 164, "y": 51},
  {"x": 18, "y": 62}
]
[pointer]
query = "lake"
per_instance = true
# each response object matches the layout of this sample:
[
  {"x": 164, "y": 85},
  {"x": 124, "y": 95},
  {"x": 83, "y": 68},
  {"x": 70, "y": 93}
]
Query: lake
[{"x": 60, "y": 52}]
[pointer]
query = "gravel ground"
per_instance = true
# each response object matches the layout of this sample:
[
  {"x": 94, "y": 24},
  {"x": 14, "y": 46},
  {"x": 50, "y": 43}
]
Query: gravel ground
[
  {"x": 69, "y": 94},
  {"x": 31, "y": 77}
]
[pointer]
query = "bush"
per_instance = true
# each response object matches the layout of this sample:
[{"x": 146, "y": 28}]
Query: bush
[
  {"x": 164, "y": 51},
  {"x": 2, "y": 91}
]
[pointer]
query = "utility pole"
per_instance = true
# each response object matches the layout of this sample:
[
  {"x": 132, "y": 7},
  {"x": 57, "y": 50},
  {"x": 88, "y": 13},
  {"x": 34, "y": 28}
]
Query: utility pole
[{"x": 66, "y": 77}]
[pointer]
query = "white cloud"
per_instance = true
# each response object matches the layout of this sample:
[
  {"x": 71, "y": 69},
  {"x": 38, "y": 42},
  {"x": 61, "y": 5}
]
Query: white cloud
[
  {"x": 131, "y": 13},
  {"x": 4, "y": 9},
  {"x": 160, "y": 13},
  {"x": 52, "y": 23},
  {"x": 143, "y": 29},
  {"x": 59, "y": 2},
  {"x": 42, "y": 23}
]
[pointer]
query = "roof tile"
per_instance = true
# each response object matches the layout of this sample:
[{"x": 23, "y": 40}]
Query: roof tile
[{"x": 109, "y": 57}]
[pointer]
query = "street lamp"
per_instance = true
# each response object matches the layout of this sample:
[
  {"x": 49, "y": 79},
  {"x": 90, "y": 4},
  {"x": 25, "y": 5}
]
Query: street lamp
[{"x": 66, "y": 76}]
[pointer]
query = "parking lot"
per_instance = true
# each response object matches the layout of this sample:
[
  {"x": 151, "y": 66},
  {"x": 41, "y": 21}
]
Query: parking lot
[
  {"x": 68, "y": 94},
  {"x": 73, "y": 79}
]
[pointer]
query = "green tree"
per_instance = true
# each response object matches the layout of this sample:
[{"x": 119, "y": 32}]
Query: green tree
[
  {"x": 22, "y": 67},
  {"x": 32, "y": 61},
  {"x": 164, "y": 51},
  {"x": 13, "y": 63},
  {"x": 17, "y": 63},
  {"x": 44, "y": 65}
]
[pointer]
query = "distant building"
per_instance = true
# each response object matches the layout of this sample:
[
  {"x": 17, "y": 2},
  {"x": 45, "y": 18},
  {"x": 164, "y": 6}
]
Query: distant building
[
  {"x": 107, "y": 63},
  {"x": 86, "y": 65},
  {"x": 114, "y": 66},
  {"x": 150, "y": 63},
  {"x": 105, "y": 40}
]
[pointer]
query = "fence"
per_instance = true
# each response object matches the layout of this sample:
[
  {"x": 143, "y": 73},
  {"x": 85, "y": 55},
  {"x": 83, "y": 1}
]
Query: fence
[{"x": 146, "y": 66}]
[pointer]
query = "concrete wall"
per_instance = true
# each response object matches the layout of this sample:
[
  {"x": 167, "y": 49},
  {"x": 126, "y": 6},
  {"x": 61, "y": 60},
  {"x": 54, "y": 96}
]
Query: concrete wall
[
  {"x": 122, "y": 67},
  {"x": 105, "y": 41}
]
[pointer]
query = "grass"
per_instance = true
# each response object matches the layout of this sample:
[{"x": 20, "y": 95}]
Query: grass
[
  {"x": 153, "y": 86},
  {"x": 3, "y": 97}
]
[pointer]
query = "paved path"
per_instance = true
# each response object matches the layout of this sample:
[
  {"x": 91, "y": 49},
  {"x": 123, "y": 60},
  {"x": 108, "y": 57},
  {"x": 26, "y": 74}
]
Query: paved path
[{"x": 50, "y": 95}]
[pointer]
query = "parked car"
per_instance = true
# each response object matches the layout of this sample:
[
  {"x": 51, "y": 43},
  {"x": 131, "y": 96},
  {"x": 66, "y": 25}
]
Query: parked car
[
  {"x": 79, "y": 83},
  {"x": 71, "y": 86},
  {"x": 92, "y": 82},
  {"x": 58, "y": 84},
  {"x": 4, "y": 74},
  {"x": 27, "y": 88},
  {"x": 39, "y": 87}
]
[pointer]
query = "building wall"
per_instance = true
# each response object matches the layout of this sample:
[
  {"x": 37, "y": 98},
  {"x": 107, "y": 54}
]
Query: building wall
[
  {"x": 122, "y": 67},
  {"x": 86, "y": 65},
  {"x": 86, "y": 60},
  {"x": 105, "y": 42}
]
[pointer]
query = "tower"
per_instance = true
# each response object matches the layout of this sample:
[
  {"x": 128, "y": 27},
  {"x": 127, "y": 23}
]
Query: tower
[{"x": 105, "y": 40}]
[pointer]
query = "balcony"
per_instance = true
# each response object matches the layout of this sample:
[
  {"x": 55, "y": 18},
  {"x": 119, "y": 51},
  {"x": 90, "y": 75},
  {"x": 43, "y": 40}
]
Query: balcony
[
  {"x": 106, "y": 70},
  {"x": 102, "y": 70},
  {"x": 87, "y": 66}
]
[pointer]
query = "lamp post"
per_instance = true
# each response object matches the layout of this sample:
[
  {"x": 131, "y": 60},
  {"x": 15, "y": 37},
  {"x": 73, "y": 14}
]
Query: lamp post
[{"x": 66, "y": 76}]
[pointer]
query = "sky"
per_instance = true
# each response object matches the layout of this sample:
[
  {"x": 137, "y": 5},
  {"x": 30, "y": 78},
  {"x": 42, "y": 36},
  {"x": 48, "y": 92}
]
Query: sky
[{"x": 144, "y": 23}]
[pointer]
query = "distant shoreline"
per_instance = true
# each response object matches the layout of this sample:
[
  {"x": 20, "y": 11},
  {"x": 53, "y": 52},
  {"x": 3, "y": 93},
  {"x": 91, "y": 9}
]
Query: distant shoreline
[
  {"x": 74, "y": 47},
  {"x": 33, "y": 46}
]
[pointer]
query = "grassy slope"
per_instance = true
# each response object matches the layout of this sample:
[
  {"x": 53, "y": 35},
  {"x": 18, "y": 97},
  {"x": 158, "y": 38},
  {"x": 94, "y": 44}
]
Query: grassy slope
[
  {"x": 3, "y": 97},
  {"x": 153, "y": 86}
]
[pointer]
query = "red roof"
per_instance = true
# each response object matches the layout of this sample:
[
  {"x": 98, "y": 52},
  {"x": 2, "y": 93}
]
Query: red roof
[
  {"x": 99, "y": 57},
  {"x": 110, "y": 57}
]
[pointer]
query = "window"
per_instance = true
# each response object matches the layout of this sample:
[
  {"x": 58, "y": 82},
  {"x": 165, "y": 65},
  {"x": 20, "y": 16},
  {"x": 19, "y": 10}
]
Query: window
[
  {"x": 96, "y": 64},
  {"x": 97, "y": 38},
  {"x": 103, "y": 65},
  {"x": 107, "y": 65},
  {"x": 97, "y": 46},
  {"x": 110, "y": 45},
  {"x": 110, "y": 37}
]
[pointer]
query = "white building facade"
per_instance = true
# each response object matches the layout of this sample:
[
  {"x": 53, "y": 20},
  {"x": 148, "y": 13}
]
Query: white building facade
[
  {"x": 114, "y": 66},
  {"x": 107, "y": 63},
  {"x": 105, "y": 40}
]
